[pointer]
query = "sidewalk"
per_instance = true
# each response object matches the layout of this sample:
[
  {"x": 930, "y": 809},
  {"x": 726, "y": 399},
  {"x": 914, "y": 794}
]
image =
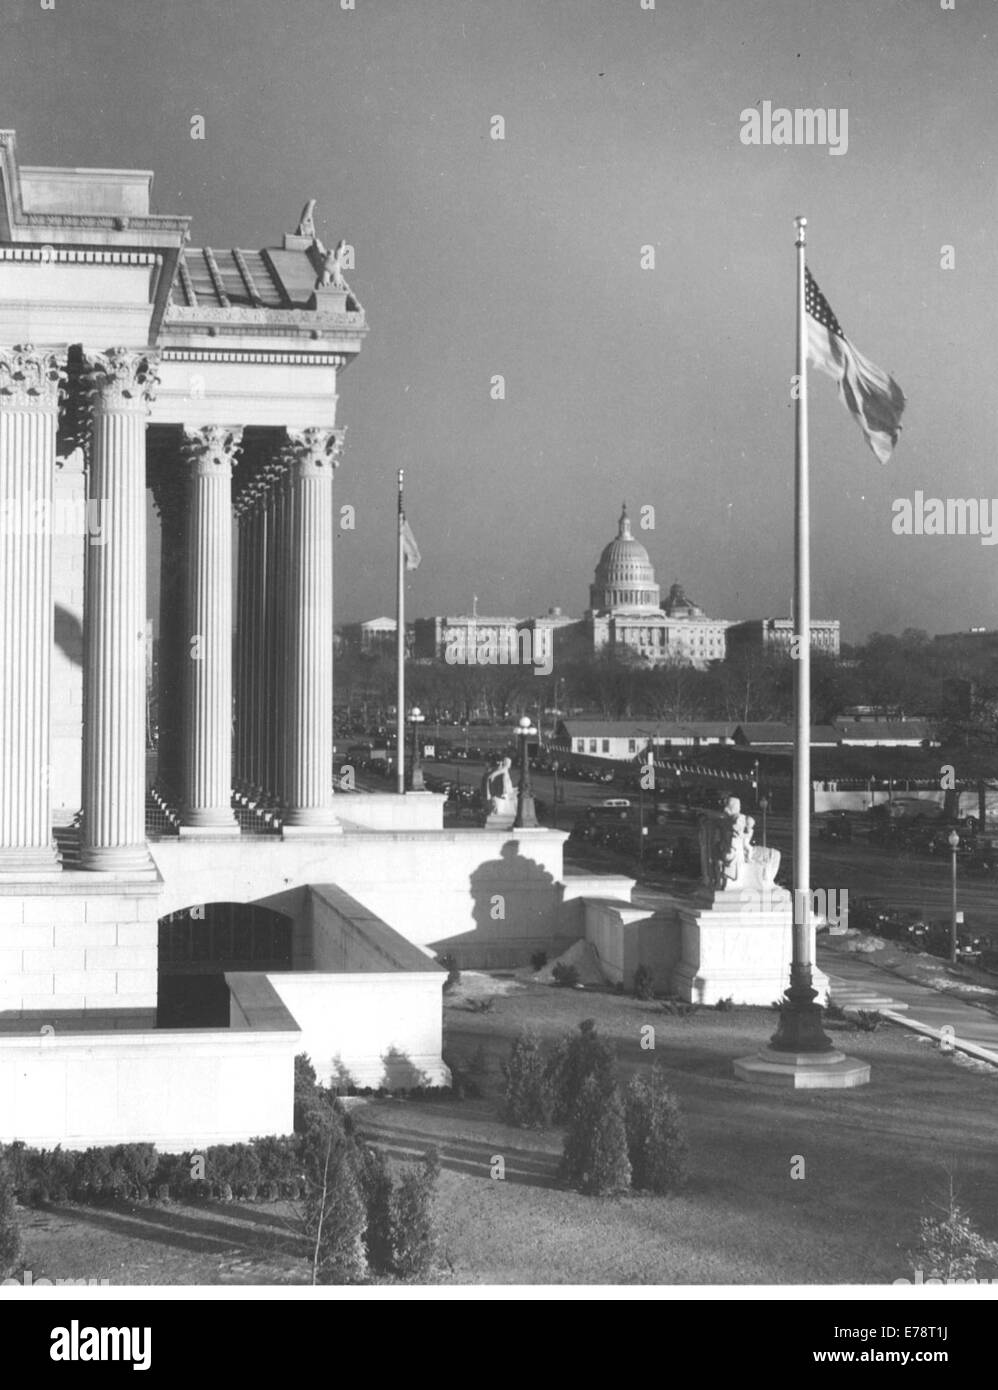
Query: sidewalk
[{"x": 857, "y": 983}]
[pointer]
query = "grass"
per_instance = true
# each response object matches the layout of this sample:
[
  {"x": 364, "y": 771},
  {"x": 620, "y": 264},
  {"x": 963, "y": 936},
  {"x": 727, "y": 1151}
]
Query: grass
[{"x": 873, "y": 1160}]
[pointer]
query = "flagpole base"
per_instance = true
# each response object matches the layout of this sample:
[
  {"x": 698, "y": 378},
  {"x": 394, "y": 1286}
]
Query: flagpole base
[{"x": 803, "y": 1071}]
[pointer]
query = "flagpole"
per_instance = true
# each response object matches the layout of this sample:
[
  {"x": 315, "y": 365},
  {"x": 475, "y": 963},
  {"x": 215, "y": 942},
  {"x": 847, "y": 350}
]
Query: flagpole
[
  {"x": 800, "y": 1055},
  {"x": 400, "y": 649},
  {"x": 802, "y": 626},
  {"x": 800, "y": 1020}
]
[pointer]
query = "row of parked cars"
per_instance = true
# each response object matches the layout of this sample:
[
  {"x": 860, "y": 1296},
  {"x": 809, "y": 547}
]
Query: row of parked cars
[{"x": 876, "y": 915}]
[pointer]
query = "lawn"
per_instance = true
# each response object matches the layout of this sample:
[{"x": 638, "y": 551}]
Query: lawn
[
  {"x": 873, "y": 1160},
  {"x": 873, "y": 1157}
]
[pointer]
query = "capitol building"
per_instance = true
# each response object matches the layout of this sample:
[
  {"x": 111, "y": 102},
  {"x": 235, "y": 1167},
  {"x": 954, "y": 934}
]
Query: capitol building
[
  {"x": 626, "y": 617},
  {"x": 626, "y": 613}
]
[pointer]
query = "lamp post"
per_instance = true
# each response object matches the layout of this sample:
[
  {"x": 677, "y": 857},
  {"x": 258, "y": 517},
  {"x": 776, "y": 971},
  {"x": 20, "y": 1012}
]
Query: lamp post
[
  {"x": 416, "y": 783},
  {"x": 555, "y": 767},
  {"x": 526, "y": 816},
  {"x": 953, "y": 840},
  {"x": 764, "y": 807}
]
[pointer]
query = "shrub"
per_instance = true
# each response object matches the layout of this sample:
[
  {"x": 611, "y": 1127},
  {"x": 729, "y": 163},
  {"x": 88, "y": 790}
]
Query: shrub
[
  {"x": 577, "y": 1057},
  {"x": 528, "y": 1099},
  {"x": 51, "y": 1174},
  {"x": 595, "y": 1156},
  {"x": 725, "y": 1005},
  {"x": 482, "y": 1006},
  {"x": 463, "y": 1085},
  {"x": 644, "y": 983},
  {"x": 413, "y": 1232},
  {"x": 539, "y": 959},
  {"x": 567, "y": 976},
  {"x": 333, "y": 1218},
  {"x": 453, "y": 979},
  {"x": 400, "y": 1237},
  {"x": 93, "y": 1175},
  {"x": 656, "y": 1136},
  {"x": 233, "y": 1170},
  {"x": 133, "y": 1169},
  {"x": 951, "y": 1248},
  {"x": 867, "y": 1021},
  {"x": 377, "y": 1188},
  {"x": 678, "y": 1008},
  {"x": 279, "y": 1161},
  {"x": 306, "y": 1090},
  {"x": 11, "y": 1249}
]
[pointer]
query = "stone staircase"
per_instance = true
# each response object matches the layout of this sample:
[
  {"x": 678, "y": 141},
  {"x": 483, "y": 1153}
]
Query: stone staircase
[{"x": 853, "y": 998}]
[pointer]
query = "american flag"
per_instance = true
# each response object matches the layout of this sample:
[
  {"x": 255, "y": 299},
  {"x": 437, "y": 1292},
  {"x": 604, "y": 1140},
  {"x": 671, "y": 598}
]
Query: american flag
[{"x": 871, "y": 395}]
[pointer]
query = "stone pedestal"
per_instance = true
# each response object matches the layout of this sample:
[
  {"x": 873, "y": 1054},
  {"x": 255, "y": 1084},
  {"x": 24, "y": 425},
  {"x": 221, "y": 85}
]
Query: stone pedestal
[
  {"x": 803, "y": 1071},
  {"x": 737, "y": 944},
  {"x": 503, "y": 813}
]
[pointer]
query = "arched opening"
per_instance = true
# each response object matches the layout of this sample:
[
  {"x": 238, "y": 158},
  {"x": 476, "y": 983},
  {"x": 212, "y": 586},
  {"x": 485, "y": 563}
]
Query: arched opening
[{"x": 198, "y": 944}]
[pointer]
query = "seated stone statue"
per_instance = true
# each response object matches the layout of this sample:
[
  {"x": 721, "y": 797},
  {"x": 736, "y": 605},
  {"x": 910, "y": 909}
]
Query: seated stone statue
[
  {"x": 728, "y": 858},
  {"x": 499, "y": 786}
]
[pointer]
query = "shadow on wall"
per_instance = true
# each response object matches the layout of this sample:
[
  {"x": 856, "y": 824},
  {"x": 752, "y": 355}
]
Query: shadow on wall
[
  {"x": 68, "y": 633},
  {"x": 514, "y": 900},
  {"x": 400, "y": 1074}
]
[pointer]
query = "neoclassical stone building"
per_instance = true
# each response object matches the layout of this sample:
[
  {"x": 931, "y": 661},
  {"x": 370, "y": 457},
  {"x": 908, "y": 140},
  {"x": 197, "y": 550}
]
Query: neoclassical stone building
[
  {"x": 188, "y": 900},
  {"x": 626, "y": 614}
]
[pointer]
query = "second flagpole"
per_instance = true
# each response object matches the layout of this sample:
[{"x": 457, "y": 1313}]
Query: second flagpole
[{"x": 400, "y": 644}]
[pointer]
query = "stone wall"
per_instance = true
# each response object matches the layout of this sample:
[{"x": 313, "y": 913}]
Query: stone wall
[{"x": 77, "y": 943}]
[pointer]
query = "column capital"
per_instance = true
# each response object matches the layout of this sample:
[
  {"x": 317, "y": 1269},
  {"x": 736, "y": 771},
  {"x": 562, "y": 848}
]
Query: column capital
[
  {"x": 30, "y": 378},
  {"x": 314, "y": 450},
  {"x": 121, "y": 379},
  {"x": 211, "y": 449}
]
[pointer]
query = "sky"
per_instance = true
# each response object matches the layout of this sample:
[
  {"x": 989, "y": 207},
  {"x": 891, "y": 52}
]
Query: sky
[{"x": 522, "y": 257}]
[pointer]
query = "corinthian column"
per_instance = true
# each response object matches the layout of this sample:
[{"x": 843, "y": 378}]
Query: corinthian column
[
  {"x": 207, "y": 809},
  {"x": 29, "y": 410},
  {"x": 114, "y": 650},
  {"x": 312, "y": 456}
]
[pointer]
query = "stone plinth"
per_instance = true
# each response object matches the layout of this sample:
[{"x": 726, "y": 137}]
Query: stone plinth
[
  {"x": 503, "y": 813},
  {"x": 737, "y": 944},
  {"x": 803, "y": 1071}
]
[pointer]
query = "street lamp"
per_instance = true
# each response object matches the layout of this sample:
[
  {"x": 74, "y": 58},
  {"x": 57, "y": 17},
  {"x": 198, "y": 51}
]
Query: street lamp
[
  {"x": 555, "y": 768},
  {"x": 953, "y": 840},
  {"x": 764, "y": 807},
  {"x": 526, "y": 816},
  {"x": 416, "y": 783}
]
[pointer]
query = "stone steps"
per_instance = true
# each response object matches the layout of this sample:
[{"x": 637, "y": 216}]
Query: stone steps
[{"x": 853, "y": 998}]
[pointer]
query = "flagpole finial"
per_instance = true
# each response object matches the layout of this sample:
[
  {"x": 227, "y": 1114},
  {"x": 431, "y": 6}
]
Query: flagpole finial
[{"x": 800, "y": 223}]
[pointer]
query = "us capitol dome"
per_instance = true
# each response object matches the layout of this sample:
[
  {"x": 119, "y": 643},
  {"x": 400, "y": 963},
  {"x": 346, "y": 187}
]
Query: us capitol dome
[{"x": 626, "y": 612}]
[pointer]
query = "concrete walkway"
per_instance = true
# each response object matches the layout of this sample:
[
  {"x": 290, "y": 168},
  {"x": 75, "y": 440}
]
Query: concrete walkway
[{"x": 858, "y": 984}]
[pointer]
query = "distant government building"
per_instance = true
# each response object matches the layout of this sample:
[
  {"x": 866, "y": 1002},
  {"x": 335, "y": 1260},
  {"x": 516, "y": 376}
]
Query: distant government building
[{"x": 625, "y": 616}]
